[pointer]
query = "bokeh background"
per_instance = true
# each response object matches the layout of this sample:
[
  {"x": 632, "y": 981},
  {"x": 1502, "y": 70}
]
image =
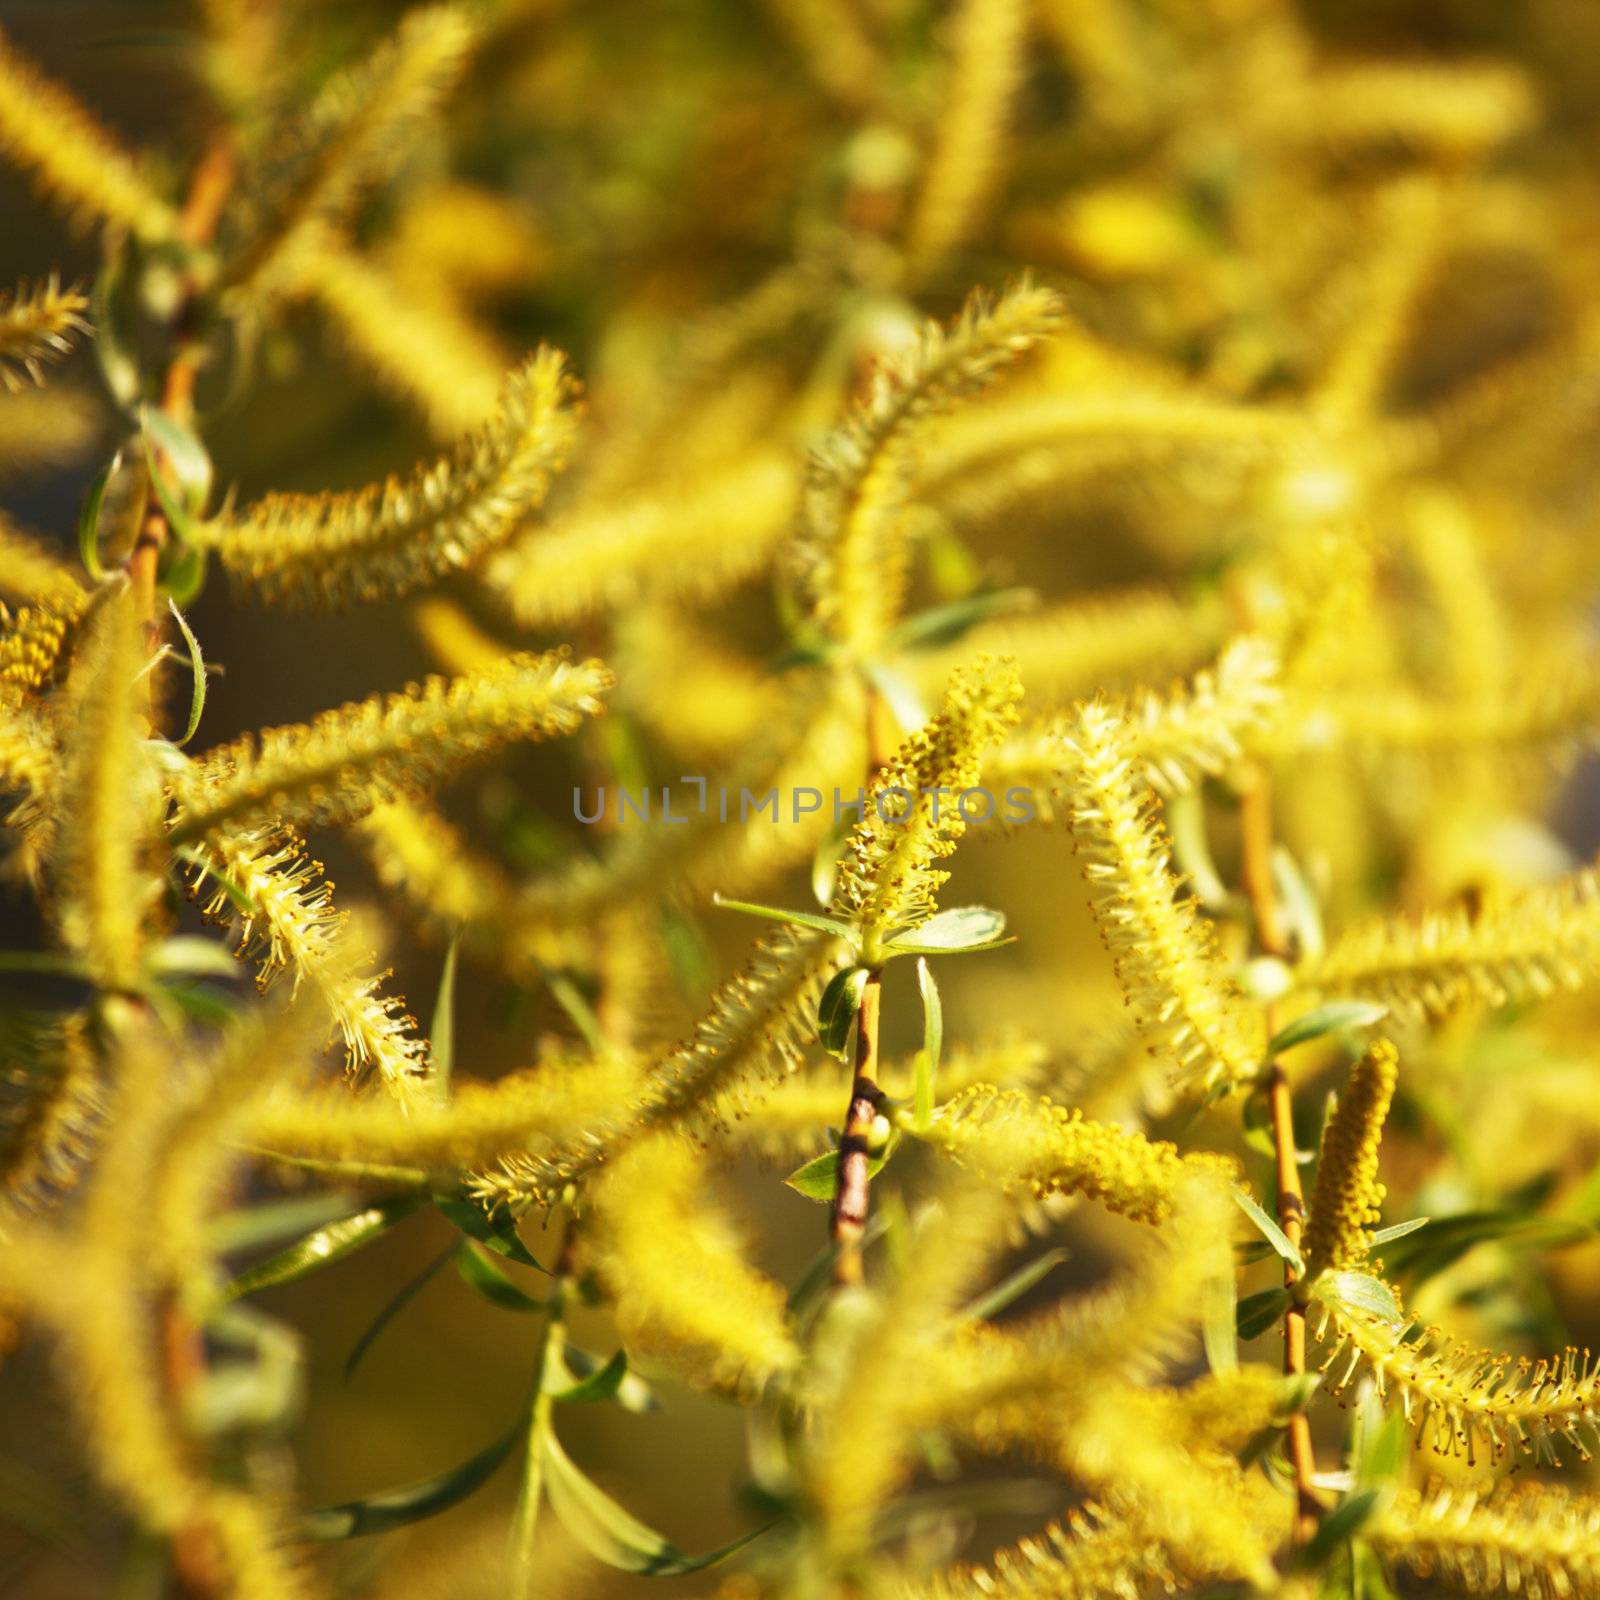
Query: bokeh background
[{"x": 641, "y": 161}]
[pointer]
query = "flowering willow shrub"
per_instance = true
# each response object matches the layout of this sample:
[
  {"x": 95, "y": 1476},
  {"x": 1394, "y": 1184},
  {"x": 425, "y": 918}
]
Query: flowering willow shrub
[{"x": 1267, "y": 358}]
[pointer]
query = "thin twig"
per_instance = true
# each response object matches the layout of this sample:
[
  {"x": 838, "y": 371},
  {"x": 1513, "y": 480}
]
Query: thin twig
[{"x": 1255, "y": 815}]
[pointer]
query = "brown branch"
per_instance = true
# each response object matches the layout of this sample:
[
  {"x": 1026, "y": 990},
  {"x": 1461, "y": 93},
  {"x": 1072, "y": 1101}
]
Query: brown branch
[
  {"x": 853, "y": 1194},
  {"x": 1255, "y": 816}
]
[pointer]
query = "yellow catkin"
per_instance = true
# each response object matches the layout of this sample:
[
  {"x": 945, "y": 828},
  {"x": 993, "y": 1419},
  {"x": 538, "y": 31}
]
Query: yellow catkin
[
  {"x": 759, "y": 1022},
  {"x": 457, "y": 891},
  {"x": 360, "y": 125},
  {"x": 424, "y": 351},
  {"x": 849, "y": 555},
  {"x": 686, "y": 1292},
  {"x": 37, "y": 326},
  {"x": 1180, "y": 737},
  {"x": 1536, "y": 1539},
  {"x": 1525, "y": 946},
  {"x": 916, "y": 809},
  {"x": 963, "y": 171},
  {"x": 340, "y": 765},
  {"x": 1348, "y": 1195},
  {"x": 390, "y": 538},
  {"x": 693, "y": 543},
  {"x": 1031, "y": 1143},
  {"x": 1189, "y": 1010},
  {"x": 534, "y": 1108},
  {"x": 1460, "y": 1398},
  {"x": 105, "y": 801},
  {"x": 1068, "y": 651},
  {"x": 34, "y": 575},
  {"x": 281, "y": 910},
  {"x": 69, "y": 156}
]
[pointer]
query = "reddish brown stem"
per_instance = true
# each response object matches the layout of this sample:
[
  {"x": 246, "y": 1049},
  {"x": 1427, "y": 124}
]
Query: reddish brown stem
[
  {"x": 852, "y": 1196},
  {"x": 1272, "y": 938}
]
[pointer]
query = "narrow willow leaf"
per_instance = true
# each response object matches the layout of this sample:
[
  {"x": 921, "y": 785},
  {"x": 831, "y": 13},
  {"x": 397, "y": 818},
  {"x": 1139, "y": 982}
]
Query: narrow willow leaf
[
  {"x": 944, "y": 624},
  {"x": 613, "y": 1535},
  {"x": 1360, "y": 1291},
  {"x": 1219, "y": 1323},
  {"x": 323, "y": 1247},
  {"x": 1258, "y": 1312},
  {"x": 1300, "y": 909},
  {"x": 1341, "y": 1524},
  {"x": 962, "y": 929},
  {"x": 601, "y": 1384},
  {"x": 1326, "y": 1019},
  {"x": 800, "y": 919},
  {"x": 819, "y": 1179},
  {"x": 932, "y": 1044},
  {"x": 89, "y": 519},
  {"x": 633, "y": 1393},
  {"x": 255, "y": 1227},
  {"x": 1381, "y": 1443},
  {"x": 1014, "y": 1286},
  {"x": 442, "y": 1030},
  {"x": 396, "y": 1508},
  {"x": 197, "y": 668},
  {"x": 1270, "y": 1231},
  {"x": 190, "y": 956},
  {"x": 493, "y": 1283},
  {"x": 499, "y": 1233},
  {"x": 1398, "y": 1231},
  {"x": 1256, "y": 1117},
  {"x": 391, "y": 1308},
  {"x": 836, "y": 1010}
]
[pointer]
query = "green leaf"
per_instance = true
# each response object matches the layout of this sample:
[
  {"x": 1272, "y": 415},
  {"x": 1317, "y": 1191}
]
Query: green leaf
[
  {"x": 1219, "y": 1323},
  {"x": 1300, "y": 909},
  {"x": 1326, "y": 1019},
  {"x": 492, "y": 1282},
  {"x": 1345, "y": 1520},
  {"x": 1380, "y": 1443},
  {"x": 1256, "y": 1115},
  {"x": 191, "y": 956},
  {"x": 932, "y": 1044},
  {"x": 182, "y": 571},
  {"x": 197, "y": 669},
  {"x": 498, "y": 1232},
  {"x": 819, "y": 1179},
  {"x": 1398, "y": 1231},
  {"x": 255, "y": 1227},
  {"x": 442, "y": 1030},
  {"x": 1014, "y": 1286},
  {"x": 185, "y": 457},
  {"x": 799, "y": 919},
  {"x": 1258, "y": 1312},
  {"x": 960, "y": 930},
  {"x": 569, "y": 997},
  {"x": 391, "y": 1308},
  {"x": 601, "y": 1384},
  {"x": 89, "y": 519},
  {"x": 633, "y": 1393},
  {"x": 322, "y": 1247},
  {"x": 1361, "y": 1292},
  {"x": 837, "y": 1008},
  {"x": 396, "y": 1508},
  {"x": 611, "y": 1534},
  {"x": 1270, "y": 1231},
  {"x": 944, "y": 624}
]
